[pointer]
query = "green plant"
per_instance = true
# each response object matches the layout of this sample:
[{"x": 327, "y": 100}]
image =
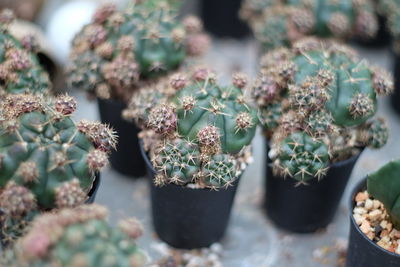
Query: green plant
[
  {"x": 253, "y": 9},
  {"x": 20, "y": 70},
  {"x": 78, "y": 237},
  {"x": 284, "y": 22},
  {"x": 46, "y": 160},
  {"x": 384, "y": 185},
  {"x": 121, "y": 50},
  {"x": 391, "y": 10},
  {"x": 318, "y": 96},
  {"x": 201, "y": 129}
]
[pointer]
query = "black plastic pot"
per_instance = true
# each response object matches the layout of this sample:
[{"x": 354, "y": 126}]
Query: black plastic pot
[
  {"x": 306, "y": 208},
  {"x": 395, "y": 97},
  {"x": 189, "y": 218},
  {"x": 363, "y": 252},
  {"x": 127, "y": 158},
  {"x": 93, "y": 191},
  {"x": 221, "y": 18}
]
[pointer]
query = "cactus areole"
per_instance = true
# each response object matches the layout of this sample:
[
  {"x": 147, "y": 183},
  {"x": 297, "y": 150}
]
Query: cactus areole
[{"x": 318, "y": 96}]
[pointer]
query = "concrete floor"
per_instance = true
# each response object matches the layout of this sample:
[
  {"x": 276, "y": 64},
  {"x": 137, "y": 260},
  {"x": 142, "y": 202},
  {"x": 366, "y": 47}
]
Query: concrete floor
[{"x": 251, "y": 239}]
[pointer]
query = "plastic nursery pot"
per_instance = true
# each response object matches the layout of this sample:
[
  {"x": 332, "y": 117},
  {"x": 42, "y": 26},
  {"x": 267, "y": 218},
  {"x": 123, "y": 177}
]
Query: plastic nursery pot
[
  {"x": 306, "y": 208},
  {"x": 93, "y": 191},
  {"x": 395, "y": 97},
  {"x": 221, "y": 18},
  {"x": 362, "y": 251},
  {"x": 126, "y": 159},
  {"x": 189, "y": 218},
  {"x": 382, "y": 38}
]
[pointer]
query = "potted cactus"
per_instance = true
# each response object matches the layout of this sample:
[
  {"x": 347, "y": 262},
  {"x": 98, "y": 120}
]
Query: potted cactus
[
  {"x": 46, "y": 160},
  {"x": 284, "y": 22},
  {"x": 316, "y": 104},
  {"x": 20, "y": 70},
  {"x": 78, "y": 237},
  {"x": 197, "y": 136},
  {"x": 120, "y": 52},
  {"x": 375, "y": 219}
]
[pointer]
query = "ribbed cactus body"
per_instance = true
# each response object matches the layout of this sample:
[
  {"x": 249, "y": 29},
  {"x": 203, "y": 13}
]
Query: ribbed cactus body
[
  {"x": 284, "y": 22},
  {"x": 46, "y": 160},
  {"x": 384, "y": 185},
  {"x": 20, "y": 70},
  {"x": 119, "y": 50},
  {"x": 319, "y": 88},
  {"x": 217, "y": 106},
  {"x": 79, "y": 237}
]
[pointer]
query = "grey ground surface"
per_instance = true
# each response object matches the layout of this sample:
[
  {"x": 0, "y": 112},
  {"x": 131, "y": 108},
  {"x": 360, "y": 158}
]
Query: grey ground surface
[{"x": 251, "y": 240}]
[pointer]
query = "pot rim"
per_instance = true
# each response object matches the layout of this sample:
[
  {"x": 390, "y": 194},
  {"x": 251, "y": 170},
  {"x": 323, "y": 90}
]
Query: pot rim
[
  {"x": 148, "y": 163},
  {"x": 361, "y": 184}
]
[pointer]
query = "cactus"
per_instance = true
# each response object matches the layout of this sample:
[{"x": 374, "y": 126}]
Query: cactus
[
  {"x": 384, "y": 185},
  {"x": 46, "y": 160},
  {"x": 284, "y": 22},
  {"x": 391, "y": 10},
  {"x": 121, "y": 50},
  {"x": 322, "y": 89},
  {"x": 203, "y": 129},
  {"x": 78, "y": 237},
  {"x": 253, "y": 9},
  {"x": 20, "y": 70}
]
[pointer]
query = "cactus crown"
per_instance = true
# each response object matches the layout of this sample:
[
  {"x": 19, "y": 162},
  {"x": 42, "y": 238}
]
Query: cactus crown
[
  {"x": 319, "y": 96},
  {"x": 46, "y": 160},
  {"x": 384, "y": 185},
  {"x": 120, "y": 49},
  {"x": 284, "y": 22},
  {"x": 202, "y": 127},
  {"x": 20, "y": 70},
  {"x": 79, "y": 237}
]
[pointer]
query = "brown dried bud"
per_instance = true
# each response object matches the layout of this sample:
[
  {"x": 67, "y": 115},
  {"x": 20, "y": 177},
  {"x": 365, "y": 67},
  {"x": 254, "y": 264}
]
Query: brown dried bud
[
  {"x": 239, "y": 80},
  {"x": 178, "y": 81},
  {"x": 69, "y": 194},
  {"x": 65, "y": 104}
]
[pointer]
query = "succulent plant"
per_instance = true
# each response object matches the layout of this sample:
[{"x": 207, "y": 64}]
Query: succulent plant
[
  {"x": 384, "y": 185},
  {"x": 202, "y": 128},
  {"x": 78, "y": 237},
  {"x": 20, "y": 70},
  {"x": 120, "y": 50},
  {"x": 391, "y": 10},
  {"x": 284, "y": 22},
  {"x": 319, "y": 95},
  {"x": 253, "y": 9},
  {"x": 46, "y": 160}
]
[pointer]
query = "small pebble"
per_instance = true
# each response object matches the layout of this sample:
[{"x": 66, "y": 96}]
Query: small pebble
[
  {"x": 369, "y": 204},
  {"x": 358, "y": 218},
  {"x": 361, "y": 196},
  {"x": 375, "y": 215},
  {"x": 376, "y": 204},
  {"x": 365, "y": 227},
  {"x": 360, "y": 210}
]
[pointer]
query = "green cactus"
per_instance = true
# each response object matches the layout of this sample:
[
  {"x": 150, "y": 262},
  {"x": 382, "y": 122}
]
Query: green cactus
[
  {"x": 302, "y": 157},
  {"x": 20, "y": 70},
  {"x": 285, "y": 22},
  {"x": 46, "y": 160},
  {"x": 78, "y": 237},
  {"x": 201, "y": 128},
  {"x": 325, "y": 91},
  {"x": 384, "y": 185},
  {"x": 120, "y": 50}
]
